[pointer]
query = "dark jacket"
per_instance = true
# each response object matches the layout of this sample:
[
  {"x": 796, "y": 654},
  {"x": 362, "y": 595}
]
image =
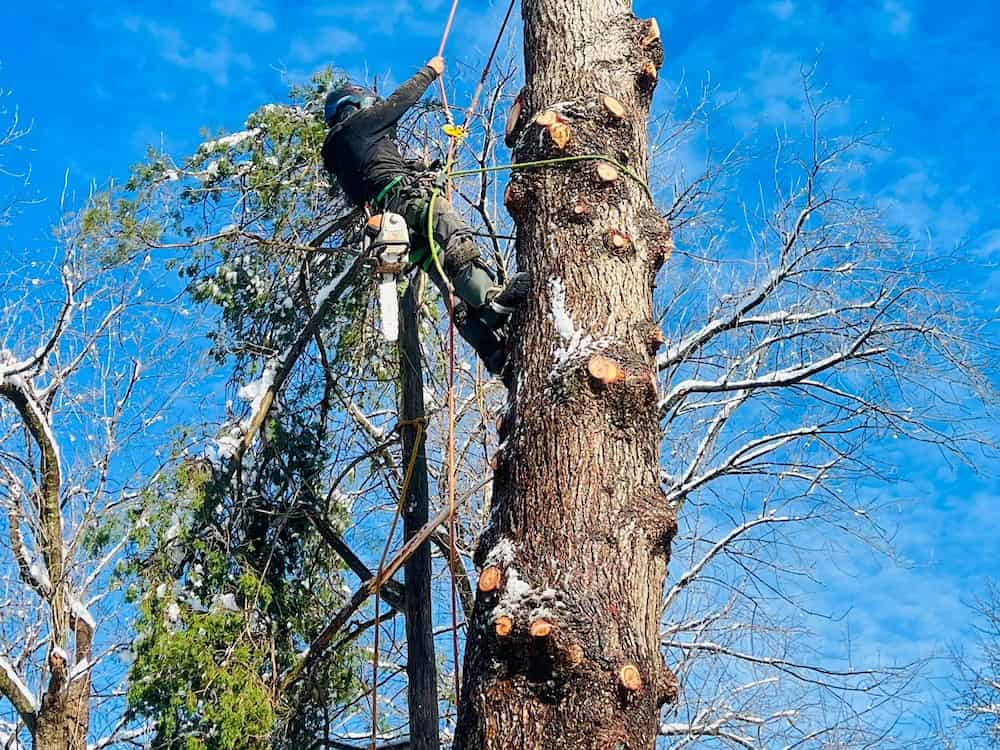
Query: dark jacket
[{"x": 362, "y": 152}]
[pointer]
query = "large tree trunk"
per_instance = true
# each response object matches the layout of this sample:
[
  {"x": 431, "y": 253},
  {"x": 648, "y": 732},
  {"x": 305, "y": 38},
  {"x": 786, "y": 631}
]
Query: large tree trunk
[
  {"x": 64, "y": 717},
  {"x": 564, "y": 653}
]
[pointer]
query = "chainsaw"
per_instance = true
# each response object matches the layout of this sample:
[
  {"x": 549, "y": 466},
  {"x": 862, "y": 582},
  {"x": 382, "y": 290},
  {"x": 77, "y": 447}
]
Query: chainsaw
[{"x": 387, "y": 242}]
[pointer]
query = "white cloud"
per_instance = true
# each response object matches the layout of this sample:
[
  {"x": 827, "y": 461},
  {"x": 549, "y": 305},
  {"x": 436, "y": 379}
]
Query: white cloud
[
  {"x": 899, "y": 17},
  {"x": 215, "y": 62},
  {"x": 247, "y": 12},
  {"x": 328, "y": 43},
  {"x": 988, "y": 245},
  {"x": 783, "y": 9}
]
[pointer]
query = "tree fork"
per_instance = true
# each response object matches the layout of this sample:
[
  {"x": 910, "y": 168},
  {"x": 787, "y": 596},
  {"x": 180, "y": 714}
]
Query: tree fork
[{"x": 577, "y": 520}]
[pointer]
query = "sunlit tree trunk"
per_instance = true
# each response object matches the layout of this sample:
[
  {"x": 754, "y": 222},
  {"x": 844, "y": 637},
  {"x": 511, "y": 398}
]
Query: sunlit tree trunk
[{"x": 563, "y": 647}]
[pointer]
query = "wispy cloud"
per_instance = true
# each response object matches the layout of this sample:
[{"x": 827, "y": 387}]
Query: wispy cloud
[
  {"x": 247, "y": 12},
  {"x": 328, "y": 42},
  {"x": 215, "y": 62},
  {"x": 898, "y": 16},
  {"x": 783, "y": 9}
]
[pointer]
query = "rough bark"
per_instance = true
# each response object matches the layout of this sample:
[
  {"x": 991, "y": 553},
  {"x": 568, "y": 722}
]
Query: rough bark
[
  {"x": 421, "y": 669},
  {"x": 581, "y": 529},
  {"x": 63, "y": 718}
]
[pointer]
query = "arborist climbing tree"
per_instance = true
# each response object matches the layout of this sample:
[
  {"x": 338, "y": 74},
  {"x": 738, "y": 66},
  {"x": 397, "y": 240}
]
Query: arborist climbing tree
[{"x": 362, "y": 152}]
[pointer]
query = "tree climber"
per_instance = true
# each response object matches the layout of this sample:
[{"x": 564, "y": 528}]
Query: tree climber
[{"x": 362, "y": 152}]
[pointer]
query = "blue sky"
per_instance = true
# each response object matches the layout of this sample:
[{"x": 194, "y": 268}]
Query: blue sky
[{"x": 101, "y": 80}]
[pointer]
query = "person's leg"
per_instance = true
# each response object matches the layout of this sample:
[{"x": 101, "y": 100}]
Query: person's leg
[{"x": 481, "y": 337}]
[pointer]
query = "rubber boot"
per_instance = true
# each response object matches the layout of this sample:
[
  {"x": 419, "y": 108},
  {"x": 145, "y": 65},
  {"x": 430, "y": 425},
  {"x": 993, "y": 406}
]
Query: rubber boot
[
  {"x": 482, "y": 338},
  {"x": 487, "y": 301}
]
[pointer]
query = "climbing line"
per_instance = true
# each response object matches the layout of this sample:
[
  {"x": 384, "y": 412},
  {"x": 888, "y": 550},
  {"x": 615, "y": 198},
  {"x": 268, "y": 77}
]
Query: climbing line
[
  {"x": 625, "y": 169},
  {"x": 404, "y": 492},
  {"x": 447, "y": 27},
  {"x": 489, "y": 64}
]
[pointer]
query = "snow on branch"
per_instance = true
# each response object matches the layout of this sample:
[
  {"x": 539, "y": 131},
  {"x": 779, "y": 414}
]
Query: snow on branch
[
  {"x": 14, "y": 689},
  {"x": 776, "y": 378}
]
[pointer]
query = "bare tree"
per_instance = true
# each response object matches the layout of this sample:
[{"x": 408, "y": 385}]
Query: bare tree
[
  {"x": 976, "y": 710},
  {"x": 81, "y": 428}
]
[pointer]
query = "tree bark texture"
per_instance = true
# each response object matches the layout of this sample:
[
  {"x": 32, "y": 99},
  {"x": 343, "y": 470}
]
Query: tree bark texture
[
  {"x": 565, "y": 652},
  {"x": 421, "y": 668},
  {"x": 64, "y": 717}
]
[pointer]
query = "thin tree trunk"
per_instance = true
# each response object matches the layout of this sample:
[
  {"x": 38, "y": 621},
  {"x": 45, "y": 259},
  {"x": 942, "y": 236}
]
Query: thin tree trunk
[
  {"x": 564, "y": 652},
  {"x": 421, "y": 669}
]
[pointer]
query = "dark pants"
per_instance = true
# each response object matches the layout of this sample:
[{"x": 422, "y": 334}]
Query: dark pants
[{"x": 458, "y": 254}]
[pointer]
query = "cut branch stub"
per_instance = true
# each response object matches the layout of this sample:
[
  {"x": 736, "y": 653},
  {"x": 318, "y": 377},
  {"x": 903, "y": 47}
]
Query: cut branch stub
[
  {"x": 513, "y": 197},
  {"x": 495, "y": 460},
  {"x": 655, "y": 340},
  {"x": 490, "y": 579},
  {"x": 560, "y": 133},
  {"x": 630, "y": 678},
  {"x": 613, "y": 107},
  {"x": 573, "y": 655},
  {"x": 581, "y": 209},
  {"x": 547, "y": 118},
  {"x": 649, "y": 73},
  {"x": 652, "y": 35},
  {"x": 617, "y": 240},
  {"x": 606, "y": 173},
  {"x": 503, "y": 626},
  {"x": 542, "y": 628},
  {"x": 605, "y": 370},
  {"x": 513, "y": 120}
]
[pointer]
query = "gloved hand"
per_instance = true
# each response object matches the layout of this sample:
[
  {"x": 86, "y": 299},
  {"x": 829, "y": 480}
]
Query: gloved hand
[{"x": 437, "y": 63}]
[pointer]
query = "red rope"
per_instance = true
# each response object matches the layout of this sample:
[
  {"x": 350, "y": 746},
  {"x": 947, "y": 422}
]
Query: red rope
[{"x": 447, "y": 27}]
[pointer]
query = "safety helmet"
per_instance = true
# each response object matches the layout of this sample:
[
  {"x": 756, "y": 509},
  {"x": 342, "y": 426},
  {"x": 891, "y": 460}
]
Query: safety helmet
[{"x": 347, "y": 94}]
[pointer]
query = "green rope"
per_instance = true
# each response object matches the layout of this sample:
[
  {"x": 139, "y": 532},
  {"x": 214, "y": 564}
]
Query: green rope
[
  {"x": 561, "y": 160},
  {"x": 522, "y": 165}
]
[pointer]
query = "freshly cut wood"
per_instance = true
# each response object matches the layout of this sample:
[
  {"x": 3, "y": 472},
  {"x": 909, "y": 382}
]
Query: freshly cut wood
[
  {"x": 546, "y": 118},
  {"x": 614, "y": 107},
  {"x": 649, "y": 71},
  {"x": 513, "y": 118},
  {"x": 605, "y": 370},
  {"x": 652, "y": 33},
  {"x": 606, "y": 173},
  {"x": 490, "y": 578},
  {"x": 618, "y": 240},
  {"x": 630, "y": 678},
  {"x": 581, "y": 209},
  {"x": 541, "y": 628},
  {"x": 503, "y": 626},
  {"x": 560, "y": 133}
]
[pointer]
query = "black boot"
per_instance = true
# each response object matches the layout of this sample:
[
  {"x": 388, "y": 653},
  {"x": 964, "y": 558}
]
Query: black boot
[
  {"x": 513, "y": 295},
  {"x": 487, "y": 301},
  {"x": 481, "y": 337}
]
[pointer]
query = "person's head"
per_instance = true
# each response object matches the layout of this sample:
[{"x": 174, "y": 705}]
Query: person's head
[{"x": 344, "y": 101}]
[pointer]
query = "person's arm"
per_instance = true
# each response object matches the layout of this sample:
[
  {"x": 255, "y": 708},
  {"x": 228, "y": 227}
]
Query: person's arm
[{"x": 387, "y": 113}]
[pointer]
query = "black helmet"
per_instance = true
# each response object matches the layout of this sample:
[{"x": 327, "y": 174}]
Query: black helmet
[{"x": 346, "y": 94}]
